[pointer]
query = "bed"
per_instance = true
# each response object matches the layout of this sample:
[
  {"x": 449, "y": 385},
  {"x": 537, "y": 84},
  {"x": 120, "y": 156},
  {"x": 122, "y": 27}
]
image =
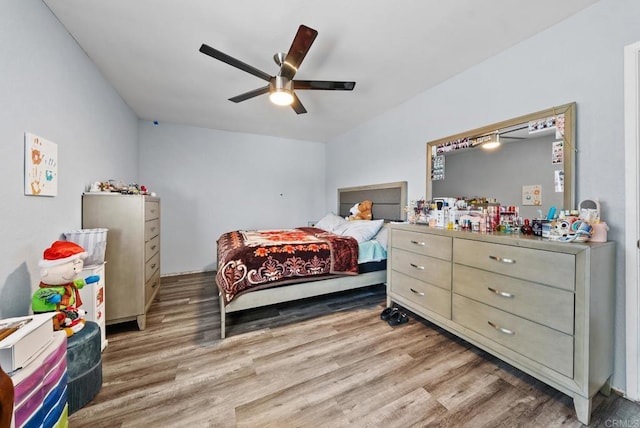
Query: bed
[{"x": 389, "y": 200}]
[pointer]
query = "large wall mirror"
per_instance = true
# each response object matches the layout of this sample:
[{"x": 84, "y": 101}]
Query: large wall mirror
[{"x": 531, "y": 165}]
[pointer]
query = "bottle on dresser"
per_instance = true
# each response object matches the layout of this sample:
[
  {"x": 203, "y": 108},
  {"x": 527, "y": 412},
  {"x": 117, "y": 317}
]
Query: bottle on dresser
[
  {"x": 526, "y": 229},
  {"x": 483, "y": 221}
]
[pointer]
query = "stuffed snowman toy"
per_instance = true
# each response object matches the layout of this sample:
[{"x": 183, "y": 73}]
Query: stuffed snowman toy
[{"x": 59, "y": 282}]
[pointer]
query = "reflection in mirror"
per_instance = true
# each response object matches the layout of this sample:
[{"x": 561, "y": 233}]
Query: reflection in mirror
[{"x": 531, "y": 165}]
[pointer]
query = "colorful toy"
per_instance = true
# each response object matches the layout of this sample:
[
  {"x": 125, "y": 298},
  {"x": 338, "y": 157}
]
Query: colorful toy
[
  {"x": 71, "y": 320},
  {"x": 59, "y": 282}
]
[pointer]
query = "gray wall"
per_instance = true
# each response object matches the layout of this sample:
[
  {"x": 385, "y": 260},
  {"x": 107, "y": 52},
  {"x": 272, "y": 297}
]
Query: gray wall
[
  {"x": 213, "y": 181},
  {"x": 580, "y": 59},
  {"x": 209, "y": 181},
  {"x": 50, "y": 88}
]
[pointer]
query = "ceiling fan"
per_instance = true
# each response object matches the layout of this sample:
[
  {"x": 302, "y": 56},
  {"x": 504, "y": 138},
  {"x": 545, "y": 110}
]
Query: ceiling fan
[{"x": 281, "y": 86}]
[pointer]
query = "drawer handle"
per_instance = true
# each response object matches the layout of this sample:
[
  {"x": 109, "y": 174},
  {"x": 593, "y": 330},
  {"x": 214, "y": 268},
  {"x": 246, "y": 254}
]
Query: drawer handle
[
  {"x": 153, "y": 247},
  {"x": 501, "y": 293},
  {"x": 153, "y": 229},
  {"x": 416, "y": 266},
  {"x": 502, "y": 260},
  {"x": 501, "y": 329},
  {"x": 416, "y": 292},
  {"x": 420, "y": 243},
  {"x": 153, "y": 266}
]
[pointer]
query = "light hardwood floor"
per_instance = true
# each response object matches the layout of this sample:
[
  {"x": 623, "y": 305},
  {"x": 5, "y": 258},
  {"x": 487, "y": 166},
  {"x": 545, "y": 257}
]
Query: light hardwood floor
[{"x": 322, "y": 362}]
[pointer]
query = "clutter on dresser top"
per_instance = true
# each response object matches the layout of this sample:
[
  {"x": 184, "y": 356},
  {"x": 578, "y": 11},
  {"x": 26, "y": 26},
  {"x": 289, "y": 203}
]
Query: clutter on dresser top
[
  {"x": 488, "y": 215},
  {"x": 118, "y": 187}
]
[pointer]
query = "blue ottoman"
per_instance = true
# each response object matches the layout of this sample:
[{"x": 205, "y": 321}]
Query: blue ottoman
[{"x": 84, "y": 366}]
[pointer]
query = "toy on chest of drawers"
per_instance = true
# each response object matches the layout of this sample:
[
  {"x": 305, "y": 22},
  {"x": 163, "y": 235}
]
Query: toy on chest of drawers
[{"x": 59, "y": 285}]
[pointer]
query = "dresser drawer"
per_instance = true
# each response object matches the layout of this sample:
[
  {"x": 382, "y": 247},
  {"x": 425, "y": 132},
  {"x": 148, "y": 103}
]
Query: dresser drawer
[
  {"x": 421, "y": 243},
  {"x": 424, "y": 295},
  {"x": 539, "y": 343},
  {"x": 151, "y": 286},
  {"x": 545, "y": 305},
  {"x": 151, "y": 247},
  {"x": 546, "y": 267},
  {"x": 151, "y": 266},
  {"x": 427, "y": 269},
  {"x": 151, "y": 229},
  {"x": 151, "y": 210}
]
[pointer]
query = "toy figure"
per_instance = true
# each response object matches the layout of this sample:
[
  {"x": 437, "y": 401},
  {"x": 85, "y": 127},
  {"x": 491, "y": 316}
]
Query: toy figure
[
  {"x": 59, "y": 285},
  {"x": 71, "y": 320}
]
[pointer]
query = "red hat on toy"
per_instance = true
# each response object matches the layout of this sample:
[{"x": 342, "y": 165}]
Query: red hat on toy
[{"x": 62, "y": 252}]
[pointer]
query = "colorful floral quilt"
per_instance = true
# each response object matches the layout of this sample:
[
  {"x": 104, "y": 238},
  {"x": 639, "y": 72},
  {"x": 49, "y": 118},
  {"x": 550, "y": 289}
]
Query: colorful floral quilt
[{"x": 250, "y": 260}]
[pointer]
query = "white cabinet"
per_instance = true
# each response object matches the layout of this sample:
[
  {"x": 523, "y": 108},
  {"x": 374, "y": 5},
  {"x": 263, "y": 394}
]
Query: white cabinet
[
  {"x": 545, "y": 307},
  {"x": 93, "y": 299},
  {"x": 133, "y": 251}
]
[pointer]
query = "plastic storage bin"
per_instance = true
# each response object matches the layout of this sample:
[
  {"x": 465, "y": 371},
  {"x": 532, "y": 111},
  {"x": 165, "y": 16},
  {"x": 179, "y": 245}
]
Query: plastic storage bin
[{"x": 94, "y": 242}]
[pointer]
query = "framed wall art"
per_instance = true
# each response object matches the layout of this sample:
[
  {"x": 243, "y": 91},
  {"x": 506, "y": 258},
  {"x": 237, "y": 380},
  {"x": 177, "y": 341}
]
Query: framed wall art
[
  {"x": 40, "y": 166},
  {"x": 532, "y": 194}
]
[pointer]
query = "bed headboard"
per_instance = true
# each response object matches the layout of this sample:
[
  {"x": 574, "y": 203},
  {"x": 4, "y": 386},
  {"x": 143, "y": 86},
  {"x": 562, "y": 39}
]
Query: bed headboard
[{"x": 389, "y": 199}]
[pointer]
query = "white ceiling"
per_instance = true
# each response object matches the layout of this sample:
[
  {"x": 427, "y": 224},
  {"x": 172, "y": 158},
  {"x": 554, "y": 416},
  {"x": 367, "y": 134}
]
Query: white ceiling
[{"x": 148, "y": 50}]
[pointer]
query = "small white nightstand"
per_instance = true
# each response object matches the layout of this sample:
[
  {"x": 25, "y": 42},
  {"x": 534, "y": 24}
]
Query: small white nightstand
[{"x": 93, "y": 299}]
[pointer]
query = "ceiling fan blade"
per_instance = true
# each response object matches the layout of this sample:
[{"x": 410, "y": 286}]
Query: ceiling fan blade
[
  {"x": 324, "y": 85},
  {"x": 299, "y": 47},
  {"x": 208, "y": 50},
  {"x": 250, "y": 94},
  {"x": 297, "y": 105}
]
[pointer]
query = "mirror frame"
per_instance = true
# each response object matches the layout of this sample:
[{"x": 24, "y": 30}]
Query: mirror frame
[{"x": 569, "y": 111}]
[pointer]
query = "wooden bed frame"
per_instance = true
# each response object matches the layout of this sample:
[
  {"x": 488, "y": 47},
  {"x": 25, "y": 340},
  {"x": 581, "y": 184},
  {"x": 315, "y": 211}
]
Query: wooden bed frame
[{"x": 389, "y": 200}]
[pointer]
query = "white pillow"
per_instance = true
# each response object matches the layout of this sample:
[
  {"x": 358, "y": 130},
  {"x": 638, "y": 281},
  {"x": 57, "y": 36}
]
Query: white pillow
[
  {"x": 382, "y": 237},
  {"x": 330, "y": 222},
  {"x": 361, "y": 230}
]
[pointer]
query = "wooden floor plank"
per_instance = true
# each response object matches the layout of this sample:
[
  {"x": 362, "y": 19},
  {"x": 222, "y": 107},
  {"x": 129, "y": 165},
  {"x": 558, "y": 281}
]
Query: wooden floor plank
[{"x": 323, "y": 362}]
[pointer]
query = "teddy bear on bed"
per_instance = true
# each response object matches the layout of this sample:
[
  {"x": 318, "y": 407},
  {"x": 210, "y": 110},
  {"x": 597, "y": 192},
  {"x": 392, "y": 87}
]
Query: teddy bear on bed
[
  {"x": 60, "y": 285},
  {"x": 361, "y": 211}
]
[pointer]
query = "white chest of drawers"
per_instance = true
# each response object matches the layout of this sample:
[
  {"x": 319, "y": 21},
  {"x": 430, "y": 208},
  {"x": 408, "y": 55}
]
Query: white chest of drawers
[
  {"x": 544, "y": 307},
  {"x": 132, "y": 254},
  {"x": 93, "y": 300}
]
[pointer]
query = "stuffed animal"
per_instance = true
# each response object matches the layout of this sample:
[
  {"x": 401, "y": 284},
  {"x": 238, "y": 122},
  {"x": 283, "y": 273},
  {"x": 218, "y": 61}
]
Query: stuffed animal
[
  {"x": 59, "y": 284},
  {"x": 361, "y": 211}
]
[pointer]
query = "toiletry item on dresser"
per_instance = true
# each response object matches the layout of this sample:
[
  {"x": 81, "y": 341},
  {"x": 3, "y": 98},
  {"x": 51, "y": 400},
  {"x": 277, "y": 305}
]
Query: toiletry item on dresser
[
  {"x": 482, "y": 227},
  {"x": 526, "y": 229},
  {"x": 493, "y": 217},
  {"x": 589, "y": 212},
  {"x": 538, "y": 226},
  {"x": 451, "y": 218},
  {"x": 599, "y": 233},
  {"x": 439, "y": 216}
]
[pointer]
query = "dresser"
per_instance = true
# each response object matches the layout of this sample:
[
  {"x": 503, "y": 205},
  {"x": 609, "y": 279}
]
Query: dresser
[
  {"x": 544, "y": 307},
  {"x": 133, "y": 251}
]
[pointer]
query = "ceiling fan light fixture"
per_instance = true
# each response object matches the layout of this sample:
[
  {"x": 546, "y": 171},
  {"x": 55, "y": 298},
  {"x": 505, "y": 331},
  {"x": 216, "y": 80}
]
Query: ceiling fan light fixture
[
  {"x": 281, "y": 93},
  {"x": 281, "y": 97},
  {"x": 281, "y": 86}
]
